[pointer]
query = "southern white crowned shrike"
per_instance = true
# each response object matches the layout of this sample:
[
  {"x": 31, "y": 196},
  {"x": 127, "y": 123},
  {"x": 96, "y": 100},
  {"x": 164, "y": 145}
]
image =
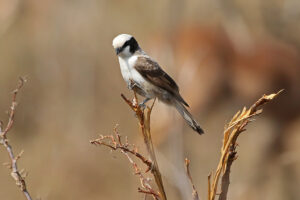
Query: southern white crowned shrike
[{"x": 143, "y": 75}]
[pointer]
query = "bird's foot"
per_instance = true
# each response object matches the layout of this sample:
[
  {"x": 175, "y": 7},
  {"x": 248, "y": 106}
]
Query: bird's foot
[{"x": 142, "y": 106}]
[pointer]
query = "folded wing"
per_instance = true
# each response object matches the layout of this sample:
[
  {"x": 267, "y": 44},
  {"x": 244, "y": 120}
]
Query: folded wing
[{"x": 153, "y": 73}]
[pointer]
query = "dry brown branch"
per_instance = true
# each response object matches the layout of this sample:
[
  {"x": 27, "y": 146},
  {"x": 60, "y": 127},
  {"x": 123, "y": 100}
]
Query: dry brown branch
[
  {"x": 114, "y": 142},
  {"x": 144, "y": 181},
  {"x": 144, "y": 122},
  {"x": 187, "y": 168},
  {"x": 17, "y": 175},
  {"x": 228, "y": 152}
]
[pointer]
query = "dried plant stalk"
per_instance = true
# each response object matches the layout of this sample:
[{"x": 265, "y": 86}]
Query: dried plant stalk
[
  {"x": 228, "y": 152},
  {"x": 187, "y": 169},
  {"x": 144, "y": 122},
  {"x": 17, "y": 175}
]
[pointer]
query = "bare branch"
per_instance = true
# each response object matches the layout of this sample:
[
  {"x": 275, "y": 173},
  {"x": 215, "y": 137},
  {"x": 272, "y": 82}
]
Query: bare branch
[
  {"x": 114, "y": 142},
  {"x": 187, "y": 168},
  {"x": 144, "y": 181},
  {"x": 15, "y": 173},
  {"x": 156, "y": 196},
  {"x": 144, "y": 122},
  {"x": 13, "y": 107}
]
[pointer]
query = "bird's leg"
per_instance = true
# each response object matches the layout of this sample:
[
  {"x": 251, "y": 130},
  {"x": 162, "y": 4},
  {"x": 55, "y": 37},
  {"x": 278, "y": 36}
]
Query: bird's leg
[
  {"x": 131, "y": 84},
  {"x": 142, "y": 105}
]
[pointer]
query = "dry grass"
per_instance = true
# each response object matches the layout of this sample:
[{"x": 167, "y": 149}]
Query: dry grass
[{"x": 232, "y": 131}]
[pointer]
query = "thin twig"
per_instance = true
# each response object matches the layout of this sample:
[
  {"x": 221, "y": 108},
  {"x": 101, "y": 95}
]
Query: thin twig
[
  {"x": 15, "y": 173},
  {"x": 187, "y": 168},
  {"x": 115, "y": 142},
  {"x": 13, "y": 107},
  {"x": 144, "y": 181}
]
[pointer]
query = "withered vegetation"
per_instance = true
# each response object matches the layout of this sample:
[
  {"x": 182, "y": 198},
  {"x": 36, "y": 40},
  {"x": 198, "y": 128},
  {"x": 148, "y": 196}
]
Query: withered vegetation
[
  {"x": 218, "y": 181},
  {"x": 232, "y": 130}
]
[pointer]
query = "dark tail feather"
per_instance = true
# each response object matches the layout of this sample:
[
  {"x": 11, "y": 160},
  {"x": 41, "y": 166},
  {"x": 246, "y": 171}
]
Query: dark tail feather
[{"x": 188, "y": 117}]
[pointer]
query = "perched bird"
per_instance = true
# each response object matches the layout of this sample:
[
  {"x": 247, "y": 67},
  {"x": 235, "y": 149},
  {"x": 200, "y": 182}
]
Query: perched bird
[{"x": 143, "y": 75}]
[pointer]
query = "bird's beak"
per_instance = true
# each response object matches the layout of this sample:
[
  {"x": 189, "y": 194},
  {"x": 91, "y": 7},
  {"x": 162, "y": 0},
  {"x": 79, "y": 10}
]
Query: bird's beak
[{"x": 118, "y": 51}]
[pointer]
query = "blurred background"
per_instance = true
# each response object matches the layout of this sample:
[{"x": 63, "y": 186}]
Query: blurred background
[{"x": 223, "y": 54}]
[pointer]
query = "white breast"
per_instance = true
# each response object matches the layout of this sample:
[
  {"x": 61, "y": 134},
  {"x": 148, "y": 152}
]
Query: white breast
[
  {"x": 129, "y": 72},
  {"x": 124, "y": 69},
  {"x": 136, "y": 76}
]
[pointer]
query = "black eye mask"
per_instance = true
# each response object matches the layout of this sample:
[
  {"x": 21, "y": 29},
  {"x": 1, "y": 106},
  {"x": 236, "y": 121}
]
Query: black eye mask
[{"x": 133, "y": 46}]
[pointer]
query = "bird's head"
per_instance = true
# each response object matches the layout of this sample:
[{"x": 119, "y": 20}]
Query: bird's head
[{"x": 125, "y": 45}]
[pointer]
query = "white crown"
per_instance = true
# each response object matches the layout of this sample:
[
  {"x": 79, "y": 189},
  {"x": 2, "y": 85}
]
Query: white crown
[{"x": 120, "y": 40}]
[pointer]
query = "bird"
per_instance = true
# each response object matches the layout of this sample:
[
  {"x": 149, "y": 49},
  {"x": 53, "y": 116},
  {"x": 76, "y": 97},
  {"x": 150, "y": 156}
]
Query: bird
[{"x": 144, "y": 75}]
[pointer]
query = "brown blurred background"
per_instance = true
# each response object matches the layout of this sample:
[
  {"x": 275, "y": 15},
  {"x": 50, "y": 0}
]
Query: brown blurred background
[{"x": 223, "y": 54}]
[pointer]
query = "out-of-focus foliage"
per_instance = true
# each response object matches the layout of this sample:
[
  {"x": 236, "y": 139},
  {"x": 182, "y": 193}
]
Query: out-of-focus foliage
[{"x": 223, "y": 55}]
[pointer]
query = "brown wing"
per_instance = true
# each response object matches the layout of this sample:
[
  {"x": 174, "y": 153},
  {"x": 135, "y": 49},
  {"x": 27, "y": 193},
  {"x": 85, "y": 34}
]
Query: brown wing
[{"x": 152, "y": 72}]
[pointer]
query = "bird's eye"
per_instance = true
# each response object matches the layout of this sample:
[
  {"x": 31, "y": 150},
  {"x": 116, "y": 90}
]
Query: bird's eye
[{"x": 125, "y": 44}]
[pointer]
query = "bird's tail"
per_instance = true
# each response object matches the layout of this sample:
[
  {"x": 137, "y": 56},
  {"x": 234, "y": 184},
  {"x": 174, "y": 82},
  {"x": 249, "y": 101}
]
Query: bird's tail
[{"x": 188, "y": 117}]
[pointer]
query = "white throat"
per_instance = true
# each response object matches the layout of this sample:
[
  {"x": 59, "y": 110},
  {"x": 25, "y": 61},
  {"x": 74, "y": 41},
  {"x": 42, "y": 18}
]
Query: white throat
[{"x": 128, "y": 71}]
